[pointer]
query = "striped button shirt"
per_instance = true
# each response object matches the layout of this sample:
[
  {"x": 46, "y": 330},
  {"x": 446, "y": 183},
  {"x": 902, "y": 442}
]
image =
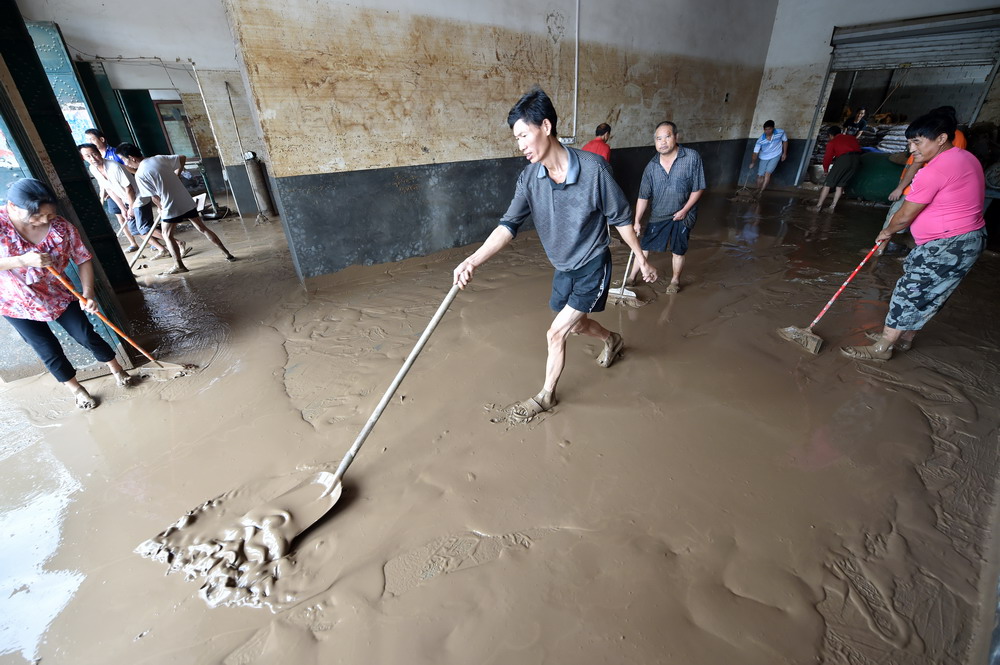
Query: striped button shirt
[{"x": 670, "y": 191}]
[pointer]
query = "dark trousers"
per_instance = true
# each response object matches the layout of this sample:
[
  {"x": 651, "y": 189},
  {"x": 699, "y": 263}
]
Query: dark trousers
[{"x": 40, "y": 337}]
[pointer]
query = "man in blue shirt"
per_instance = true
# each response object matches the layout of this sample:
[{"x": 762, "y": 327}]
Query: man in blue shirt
[
  {"x": 771, "y": 147},
  {"x": 572, "y": 199},
  {"x": 673, "y": 180}
]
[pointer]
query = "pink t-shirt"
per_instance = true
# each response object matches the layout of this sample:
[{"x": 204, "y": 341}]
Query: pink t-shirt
[
  {"x": 953, "y": 187},
  {"x": 35, "y": 293}
]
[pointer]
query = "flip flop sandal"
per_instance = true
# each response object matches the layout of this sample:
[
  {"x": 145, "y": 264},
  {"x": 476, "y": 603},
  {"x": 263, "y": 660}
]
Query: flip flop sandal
[
  {"x": 520, "y": 413},
  {"x": 132, "y": 248},
  {"x": 901, "y": 345},
  {"x": 174, "y": 271},
  {"x": 865, "y": 353},
  {"x": 185, "y": 250},
  {"x": 672, "y": 288},
  {"x": 612, "y": 350}
]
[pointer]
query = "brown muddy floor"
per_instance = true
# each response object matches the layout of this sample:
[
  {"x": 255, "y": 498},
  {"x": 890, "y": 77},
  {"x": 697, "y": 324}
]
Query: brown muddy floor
[{"x": 717, "y": 496}]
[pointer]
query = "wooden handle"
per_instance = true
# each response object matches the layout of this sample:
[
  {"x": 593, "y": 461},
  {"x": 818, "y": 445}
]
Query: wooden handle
[{"x": 69, "y": 287}]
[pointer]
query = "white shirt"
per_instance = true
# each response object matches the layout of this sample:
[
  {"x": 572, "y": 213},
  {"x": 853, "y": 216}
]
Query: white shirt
[
  {"x": 155, "y": 177},
  {"x": 117, "y": 179}
]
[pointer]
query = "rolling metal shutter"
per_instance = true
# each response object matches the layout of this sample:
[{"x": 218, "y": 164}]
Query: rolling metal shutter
[{"x": 946, "y": 41}]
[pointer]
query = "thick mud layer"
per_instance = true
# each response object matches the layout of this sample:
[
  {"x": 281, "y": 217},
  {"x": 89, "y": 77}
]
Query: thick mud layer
[{"x": 717, "y": 495}]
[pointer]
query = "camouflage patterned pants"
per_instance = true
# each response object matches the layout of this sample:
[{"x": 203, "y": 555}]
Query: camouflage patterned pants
[{"x": 931, "y": 274}]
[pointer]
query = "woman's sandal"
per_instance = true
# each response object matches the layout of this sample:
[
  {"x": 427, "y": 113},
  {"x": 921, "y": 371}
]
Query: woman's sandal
[
  {"x": 83, "y": 399},
  {"x": 175, "y": 270},
  {"x": 867, "y": 352},
  {"x": 901, "y": 344}
]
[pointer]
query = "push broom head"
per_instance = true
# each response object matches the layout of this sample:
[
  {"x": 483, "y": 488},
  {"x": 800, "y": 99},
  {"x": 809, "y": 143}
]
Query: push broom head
[{"x": 803, "y": 337}]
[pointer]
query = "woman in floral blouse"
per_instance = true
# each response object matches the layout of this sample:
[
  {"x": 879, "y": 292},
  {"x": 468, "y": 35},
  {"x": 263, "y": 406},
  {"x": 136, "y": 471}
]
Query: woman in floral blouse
[{"x": 33, "y": 237}]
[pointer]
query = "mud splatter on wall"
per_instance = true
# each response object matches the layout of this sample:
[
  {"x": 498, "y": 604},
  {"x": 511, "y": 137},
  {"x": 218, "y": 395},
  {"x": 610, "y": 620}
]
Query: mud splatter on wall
[
  {"x": 339, "y": 88},
  {"x": 221, "y": 115},
  {"x": 197, "y": 116}
]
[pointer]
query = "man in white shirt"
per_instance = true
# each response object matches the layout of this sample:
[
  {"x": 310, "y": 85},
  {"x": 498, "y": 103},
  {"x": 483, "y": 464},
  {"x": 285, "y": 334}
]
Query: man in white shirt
[
  {"x": 159, "y": 178},
  {"x": 771, "y": 147},
  {"x": 118, "y": 183}
]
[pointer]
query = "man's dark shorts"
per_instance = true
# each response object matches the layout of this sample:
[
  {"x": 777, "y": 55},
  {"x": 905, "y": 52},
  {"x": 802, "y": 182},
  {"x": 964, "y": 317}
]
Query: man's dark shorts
[
  {"x": 843, "y": 169},
  {"x": 143, "y": 220},
  {"x": 584, "y": 289},
  {"x": 111, "y": 206},
  {"x": 660, "y": 235},
  {"x": 190, "y": 214}
]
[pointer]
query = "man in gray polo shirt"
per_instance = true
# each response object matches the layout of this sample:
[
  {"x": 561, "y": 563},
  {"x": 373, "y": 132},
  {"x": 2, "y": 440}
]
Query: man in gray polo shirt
[
  {"x": 572, "y": 199},
  {"x": 674, "y": 180}
]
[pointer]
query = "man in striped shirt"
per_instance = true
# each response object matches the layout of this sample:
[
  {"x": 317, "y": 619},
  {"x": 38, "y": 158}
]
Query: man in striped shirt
[
  {"x": 572, "y": 199},
  {"x": 674, "y": 180}
]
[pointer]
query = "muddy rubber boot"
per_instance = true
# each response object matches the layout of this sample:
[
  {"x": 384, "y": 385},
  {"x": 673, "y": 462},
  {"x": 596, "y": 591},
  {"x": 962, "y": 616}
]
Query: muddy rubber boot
[{"x": 880, "y": 350}]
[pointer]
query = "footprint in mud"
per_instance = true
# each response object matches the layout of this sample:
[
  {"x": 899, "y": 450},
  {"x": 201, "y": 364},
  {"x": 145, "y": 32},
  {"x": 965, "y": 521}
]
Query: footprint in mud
[{"x": 448, "y": 555}]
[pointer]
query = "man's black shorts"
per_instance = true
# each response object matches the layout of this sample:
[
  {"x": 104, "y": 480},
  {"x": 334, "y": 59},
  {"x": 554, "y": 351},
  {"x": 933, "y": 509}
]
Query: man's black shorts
[
  {"x": 584, "y": 289},
  {"x": 661, "y": 235},
  {"x": 190, "y": 214}
]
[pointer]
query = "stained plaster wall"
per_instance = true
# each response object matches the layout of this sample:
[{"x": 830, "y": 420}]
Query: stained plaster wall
[
  {"x": 799, "y": 55},
  {"x": 368, "y": 110}
]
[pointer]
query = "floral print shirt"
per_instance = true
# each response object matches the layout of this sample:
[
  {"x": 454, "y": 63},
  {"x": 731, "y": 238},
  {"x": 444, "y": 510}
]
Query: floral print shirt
[{"x": 35, "y": 293}]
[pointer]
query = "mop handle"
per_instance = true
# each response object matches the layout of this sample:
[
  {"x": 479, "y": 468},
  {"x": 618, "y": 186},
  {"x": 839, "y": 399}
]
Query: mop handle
[
  {"x": 628, "y": 269},
  {"x": 366, "y": 430},
  {"x": 69, "y": 287},
  {"x": 844, "y": 285}
]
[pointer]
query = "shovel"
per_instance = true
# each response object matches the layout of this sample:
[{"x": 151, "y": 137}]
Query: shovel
[
  {"x": 242, "y": 563},
  {"x": 172, "y": 367},
  {"x": 808, "y": 340}
]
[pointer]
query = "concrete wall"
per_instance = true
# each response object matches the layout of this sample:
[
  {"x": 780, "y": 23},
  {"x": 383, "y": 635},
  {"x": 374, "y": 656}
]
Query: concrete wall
[{"x": 371, "y": 114}]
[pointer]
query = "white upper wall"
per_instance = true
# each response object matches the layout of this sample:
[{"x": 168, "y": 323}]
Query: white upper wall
[{"x": 188, "y": 30}]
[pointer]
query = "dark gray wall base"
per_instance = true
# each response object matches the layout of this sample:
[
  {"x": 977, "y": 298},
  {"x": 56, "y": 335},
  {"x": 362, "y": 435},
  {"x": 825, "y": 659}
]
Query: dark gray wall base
[
  {"x": 784, "y": 175},
  {"x": 335, "y": 220},
  {"x": 240, "y": 183}
]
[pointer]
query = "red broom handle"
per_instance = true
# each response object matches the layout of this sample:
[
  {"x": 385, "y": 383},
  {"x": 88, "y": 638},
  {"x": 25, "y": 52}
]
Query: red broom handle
[
  {"x": 844, "y": 285},
  {"x": 69, "y": 287}
]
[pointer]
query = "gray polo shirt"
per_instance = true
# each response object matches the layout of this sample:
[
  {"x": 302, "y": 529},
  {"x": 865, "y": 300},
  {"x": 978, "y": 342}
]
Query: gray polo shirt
[
  {"x": 670, "y": 191},
  {"x": 571, "y": 218}
]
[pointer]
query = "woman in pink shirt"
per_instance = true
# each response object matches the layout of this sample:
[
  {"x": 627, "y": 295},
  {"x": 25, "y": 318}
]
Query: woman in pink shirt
[
  {"x": 944, "y": 212},
  {"x": 32, "y": 238}
]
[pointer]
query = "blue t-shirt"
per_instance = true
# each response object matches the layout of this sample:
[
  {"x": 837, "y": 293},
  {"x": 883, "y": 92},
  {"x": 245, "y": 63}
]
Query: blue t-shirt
[
  {"x": 773, "y": 148},
  {"x": 111, "y": 153}
]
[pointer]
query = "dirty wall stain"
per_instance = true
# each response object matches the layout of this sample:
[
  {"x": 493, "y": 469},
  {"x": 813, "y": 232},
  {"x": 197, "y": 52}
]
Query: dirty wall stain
[{"x": 343, "y": 89}]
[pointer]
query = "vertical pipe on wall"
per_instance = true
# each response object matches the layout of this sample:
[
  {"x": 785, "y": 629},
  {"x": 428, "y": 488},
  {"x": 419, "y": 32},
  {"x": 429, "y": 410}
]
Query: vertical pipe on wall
[{"x": 576, "y": 70}]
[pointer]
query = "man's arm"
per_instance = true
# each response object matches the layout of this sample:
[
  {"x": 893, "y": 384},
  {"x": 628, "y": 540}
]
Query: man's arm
[
  {"x": 497, "y": 240},
  {"x": 130, "y": 194},
  {"x": 784, "y": 146},
  {"x": 901, "y": 220},
  {"x": 640, "y": 211},
  {"x": 908, "y": 173},
  {"x": 631, "y": 239},
  {"x": 183, "y": 160},
  {"x": 692, "y": 200}
]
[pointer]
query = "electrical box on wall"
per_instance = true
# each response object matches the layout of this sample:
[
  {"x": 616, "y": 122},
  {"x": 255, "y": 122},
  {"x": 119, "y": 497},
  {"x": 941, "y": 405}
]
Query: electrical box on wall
[{"x": 567, "y": 140}]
